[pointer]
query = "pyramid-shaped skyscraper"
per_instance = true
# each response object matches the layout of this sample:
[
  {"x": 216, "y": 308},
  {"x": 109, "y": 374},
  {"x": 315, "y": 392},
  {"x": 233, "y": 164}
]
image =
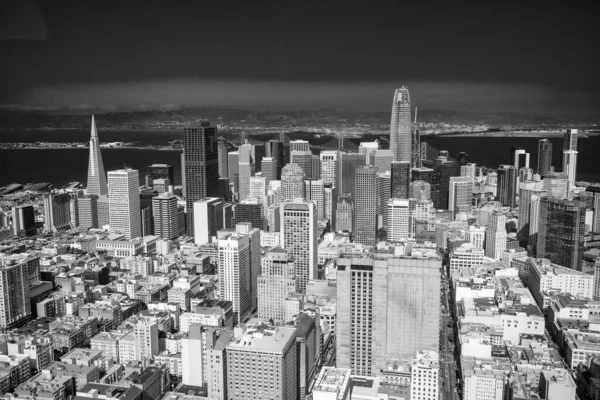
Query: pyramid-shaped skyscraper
[{"x": 96, "y": 181}]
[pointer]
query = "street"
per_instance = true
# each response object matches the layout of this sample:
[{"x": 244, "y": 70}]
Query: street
[{"x": 447, "y": 362}]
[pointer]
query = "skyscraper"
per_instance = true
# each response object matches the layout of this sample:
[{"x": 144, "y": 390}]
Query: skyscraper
[
  {"x": 16, "y": 275},
  {"x": 23, "y": 220},
  {"x": 400, "y": 183},
  {"x": 246, "y": 170},
  {"x": 57, "y": 212},
  {"x": 526, "y": 190},
  {"x": 556, "y": 184},
  {"x": 507, "y": 185},
  {"x": 519, "y": 158},
  {"x": 347, "y": 165},
  {"x": 398, "y": 219},
  {"x": 164, "y": 211},
  {"x": 420, "y": 190},
  {"x": 147, "y": 220},
  {"x": 275, "y": 150},
  {"x": 570, "y": 166},
  {"x": 96, "y": 182},
  {"x": 461, "y": 194},
  {"x": 544, "y": 157},
  {"x": 200, "y": 152},
  {"x": 344, "y": 218},
  {"x": 124, "y": 202},
  {"x": 570, "y": 140},
  {"x": 299, "y": 237},
  {"x": 447, "y": 169},
  {"x": 495, "y": 238},
  {"x": 384, "y": 182},
  {"x": 275, "y": 283},
  {"x": 223, "y": 158},
  {"x": 313, "y": 190},
  {"x": 561, "y": 231},
  {"x": 88, "y": 211},
  {"x": 209, "y": 215},
  {"x": 329, "y": 166},
  {"x": 387, "y": 310},
  {"x": 400, "y": 126},
  {"x": 382, "y": 159},
  {"x": 234, "y": 271},
  {"x": 433, "y": 178},
  {"x": 329, "y": 203},
  {"x": 250, "y": 211},
  {"x": 159, "y": 171},
  {"x": 292, "y": 182},
  {"x": 365, "y": 216},
  {"x": 268, "y": 167}
]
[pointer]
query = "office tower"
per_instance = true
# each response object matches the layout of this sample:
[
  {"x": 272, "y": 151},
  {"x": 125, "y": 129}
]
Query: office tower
[
  {"x": 258, "y": 189},
  {"x": 495, "y": 238},
  {"x": 400, "y": 126},
  {"x": 570, "y": 166},
  {"x": 164, "y": 211},
  {"x": 384, "y": 187},
  {"x": 262, "y": 364},
  {"x": 595, "y": 191},
  {"x": 507, "y": 185},
  {"x": 421, "y": 218},
  {"x": 461, "y": 193},
  {"x": 347, "y": 165},
  {"x": 162, "y": 185},
  {"x": 365, "y": 216},
  {"x": 368, "y": 149},
  {"x": 447, "y": 169},
  {"x": 561, "y": 231},
  {"x": 183, "y": 184},
  {"x": 301, "y": 155},
  {"x": 570, "y": 140},
  {"x": 398, "y": 215},
  {"x": 233, "y": 169},
  {"x": 15, "y": 276},
  {"x": 433, "y": 178},
  {"x": 519, "y": 158},
  {"x": 535, "y": 203},
  {"x": 74, "y": 206},
  {"x": 382, "y": 159},
  {"x": 544, "y": 157},
  {"x": 200, "y": 151},
  {"x": 273, "y": 215},
  {"x": 57, "y": 212},
  {"x": 400, "y": 181},
  {"x": 234, "y": 271},
  {"x": 147, "y": 220},
  {"x": 299, "y": 145},
  {"x": 316, "y": 167},
  {"x": 124, "y": 203},
  {"x": 299, "y": 236},
  {"x": 159, "y": 171},
  {"x": 246, "y": 170},
  {"x": 526, "y": 190},
  {"x": 96, "y": 181},
  {"x": 420, "y": 190},
  {"x": 329, "y": 166},
  {"x": 468, "y": 170},
  {"x": 556, "y": 184},
  {"x": 192, "y": 356},
  {"x": 250, "y": 211},
  {"x": 387, "y": 309},
  {"x": 268, "y": 167},
  {"x": 275, "y": 150},
  {"x": 329, "y": 204},
  {"x": 88, "y": 211},
  {"x": 292, "y": 182},
  {"x": 103, "y": 211},
  {"x": 223, "y": 158},
  {"x": 275, "y": 283},
  {"x": 209, "y": 216},
  {"x": 314, "y": 191},
  {"x": 344, "y": 220}
]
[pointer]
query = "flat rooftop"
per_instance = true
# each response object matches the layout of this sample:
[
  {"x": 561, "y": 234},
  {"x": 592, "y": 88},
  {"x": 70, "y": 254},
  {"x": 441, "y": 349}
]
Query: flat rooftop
[{"x": 264, "y": 338}]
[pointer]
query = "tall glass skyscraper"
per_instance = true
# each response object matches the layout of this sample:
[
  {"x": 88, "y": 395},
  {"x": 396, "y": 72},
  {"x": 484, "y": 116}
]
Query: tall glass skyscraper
[
  {"x": 400, "y": 126},
  {"x": 96, "y": 181},
  {"x": 544, "y": 157},
  {"x": 400, "y": 184}
]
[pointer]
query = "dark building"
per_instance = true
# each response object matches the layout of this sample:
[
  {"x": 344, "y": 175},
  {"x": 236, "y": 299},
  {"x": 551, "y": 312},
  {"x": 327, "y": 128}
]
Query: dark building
[
  {"x": 544, "y": 157},
  {"x": 146, "y": 197},
  {"x": 447, "y": 169},
  {"x": 24, "y": 220},
  {"x": 249, "y": 212},
  {"x": 433, "y": 177},
  {"x": 347, "y": 165},
  {"x": 275, "y": 149},
  {"x": 99, "y": 275},
  {"x": 561, "y": 231},
  {"x": 461, "y": 161},
  {"x": 306, "y": 352},
  {"x": 159, "y": 171},
  {"x": 88, "y": 211},
  {"x": 201, "y": 163},
  {"x": 507, "y": 186},
  {"x": 400, "y": 183}
]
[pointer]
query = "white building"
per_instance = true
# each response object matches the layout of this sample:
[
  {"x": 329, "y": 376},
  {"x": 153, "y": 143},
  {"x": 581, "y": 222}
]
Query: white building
[
  {"x": 234, "y": 271},
  {"x": 476, "y": 235},
  {"x": 329, "y": 166},
  {"x": 275, "y": 283},
  {"x": 398, "y": 219},
  {"x": 424, "y": 376},
  {"x": 124, "y": 202},
  {"x": 313, "y": 190},
  {"x": 496, "y": 236},
  {"x": 208, "y": 219},
  {"x": 465, "y": 256},
  {"x": 146, "y": 338}
]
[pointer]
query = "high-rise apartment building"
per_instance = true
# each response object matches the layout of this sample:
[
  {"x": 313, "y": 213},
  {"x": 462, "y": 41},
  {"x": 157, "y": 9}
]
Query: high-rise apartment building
[
  {"x": 344, "y": 214},
  {"x": 235, "y": 271},
  {"x": 526, "y": 190},
  {"x": 166, "y": 221},
  {"x": 347, "y": 165},
  {"x": 519, "y": 158},
  {"x": 124, "y": 202},
  {"x": 263, "y": 364},
  {"x": 57, "y": 212},
  {"x": 275, "y": 283},
  {"x": 16, "y": 275},
  {"x": 387, "y": 309},
  {"x": 400, "y": 181},
  {"x": 365, "y": 215},
  {"x": 561, "y": 231},
  {"x": 96, "y": 181},
  {"x": 145, "y": 332},
  {"x": 398, "y": 219},
  {"x": 384, "y": 188},
  {"x": 292, "y": 182},
  {"x": 544, "y": 157},
  {"x": 329, "y": 166},
  {"x": 570, "y": 140},
  {"x": 570, "y": 166},
  {"x": 400, "y": 126},
  {"x": 208, "y": 214},
  {"x": 461, "y": 194},
  {"x": 299, "y": 237},
  {"x": 495, "y": 238},
  {"x": 313, "y": 190},
  {"x": 201, "y": 167}
]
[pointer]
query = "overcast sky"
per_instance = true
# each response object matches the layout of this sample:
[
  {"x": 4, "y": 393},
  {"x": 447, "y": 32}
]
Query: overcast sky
[{"x": 298, "y": 55}]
